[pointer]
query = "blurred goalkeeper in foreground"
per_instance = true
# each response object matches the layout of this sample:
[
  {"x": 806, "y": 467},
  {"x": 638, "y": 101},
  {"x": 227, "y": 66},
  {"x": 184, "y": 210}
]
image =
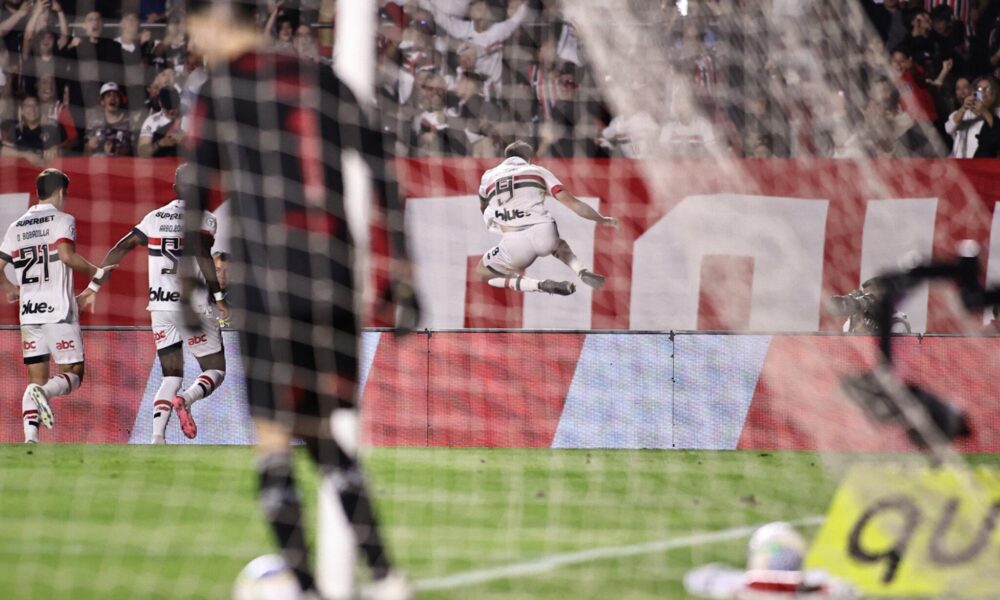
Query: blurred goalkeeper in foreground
[{"x": 273, "y": 129}]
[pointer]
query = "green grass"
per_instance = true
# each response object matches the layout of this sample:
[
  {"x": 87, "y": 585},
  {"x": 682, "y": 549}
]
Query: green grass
[{"x": 179, "y": 522}]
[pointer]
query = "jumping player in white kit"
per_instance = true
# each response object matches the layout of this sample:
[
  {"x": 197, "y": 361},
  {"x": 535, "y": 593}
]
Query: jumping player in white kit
[
  {"x": 41, "y": 244},
  {"x": 512, "y": 199},
  {"x": 162, "y": 232}
]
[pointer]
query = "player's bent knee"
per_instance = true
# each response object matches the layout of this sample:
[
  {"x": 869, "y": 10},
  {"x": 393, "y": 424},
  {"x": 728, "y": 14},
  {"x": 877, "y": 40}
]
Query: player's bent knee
[
  {"x": 216, "y": 362},
  {"x": 172, "y": 360},
  {"x": 75, "y": 368},
  {"x": 484, "y": 273}
]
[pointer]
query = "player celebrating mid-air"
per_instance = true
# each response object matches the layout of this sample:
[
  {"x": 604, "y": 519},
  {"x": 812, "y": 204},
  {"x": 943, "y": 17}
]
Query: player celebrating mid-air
[
  {"x": 274, "y": 128},
  {"x": 162, "y": 231},
  {"x": 512, "y": 200},
  {"x": 41, "y": 245}
]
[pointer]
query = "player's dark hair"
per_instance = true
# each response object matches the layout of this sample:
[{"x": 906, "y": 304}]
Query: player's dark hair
[
  {"x": 243, "y": 11},
  {"x": 49, "y": 182},
  {"x": 520, "y": 149}
]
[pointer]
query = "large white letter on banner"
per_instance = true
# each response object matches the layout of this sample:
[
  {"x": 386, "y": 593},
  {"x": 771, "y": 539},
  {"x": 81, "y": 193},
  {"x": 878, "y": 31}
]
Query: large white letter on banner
[{"x": 784, "y": 236}]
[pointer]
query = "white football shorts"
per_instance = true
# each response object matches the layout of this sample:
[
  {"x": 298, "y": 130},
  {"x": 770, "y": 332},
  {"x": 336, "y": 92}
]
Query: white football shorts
[
  {"x": 169, "y": 329},
  {"x": 62, "y": 340},
  {"x": 518, "y": 249}
]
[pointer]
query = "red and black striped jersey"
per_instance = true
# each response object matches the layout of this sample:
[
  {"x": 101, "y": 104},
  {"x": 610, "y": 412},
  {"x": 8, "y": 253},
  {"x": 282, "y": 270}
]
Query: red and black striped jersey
[
  {"x": 515, "y": 191},
  {"x": 273, "y": 130}
]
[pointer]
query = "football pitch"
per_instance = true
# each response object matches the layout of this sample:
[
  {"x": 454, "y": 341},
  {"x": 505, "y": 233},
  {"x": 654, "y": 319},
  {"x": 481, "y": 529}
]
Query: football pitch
[{"x": 180, "y": 522}]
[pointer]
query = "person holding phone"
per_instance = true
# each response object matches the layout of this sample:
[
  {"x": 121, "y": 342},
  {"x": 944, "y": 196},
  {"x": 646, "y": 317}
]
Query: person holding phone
[{"x": 988, "y": 135}]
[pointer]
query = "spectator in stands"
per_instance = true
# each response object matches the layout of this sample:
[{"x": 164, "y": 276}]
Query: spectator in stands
[
  {"x": 948, "y": 34},
  {"x": 94, "y": 59},
  {"x": 891, "y": 131},
  {"x": 14, "y": 15},
  {"x": 55, "y": 110},
  {"x": 307, "y": 47},
  {"x": 41, "y": 51},
  {"x": 963, "y": 124},
  {"x": 485, "y": 32},
  {"x": 888, "y": 20},
  {"x": 918, "y": 40},
  {"x": 695, "y": 60},
  {"x": 472, "y": 123},
  {"x": 761, "y": 121},
  {"x": 29, "y": 138},
  {"x": 417, "y": 48},
  {"x": 136, "y": 48},
  {"x": 988, "y": 137},
  {"x": 573, "y": 129},
  {"x": 430, "y": 126},
  {"x": 164, "y": 78},
  {"x": 284, "y": 36},
  {"x": 110, "y": 134},
  {"x": 161, "y": 132},
  {"x": 914, "y": 86},
  {"x": 192, "y": 77},
  {"x": 544, "y": 78},
  {"x": 688, "y": 134},
  {"x": 172, "y": 49},
  {"x": 40, "y": 22},
  {"x": 467, "y": 55}
]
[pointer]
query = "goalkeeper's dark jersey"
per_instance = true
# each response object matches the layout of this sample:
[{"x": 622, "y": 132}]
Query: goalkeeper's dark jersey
[
  {"x": 275, "y": 128},
  {"x": 271, "y": 131}
]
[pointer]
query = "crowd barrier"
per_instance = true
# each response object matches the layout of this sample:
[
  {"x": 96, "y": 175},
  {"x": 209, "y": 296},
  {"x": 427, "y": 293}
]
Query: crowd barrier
[
  {"x": 552, "y": 389},
  {"x": 755, "y": 246}
]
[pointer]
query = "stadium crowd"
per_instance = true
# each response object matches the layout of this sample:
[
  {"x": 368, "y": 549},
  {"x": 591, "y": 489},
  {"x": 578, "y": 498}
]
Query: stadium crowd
[{"x": 465, "y": 77}]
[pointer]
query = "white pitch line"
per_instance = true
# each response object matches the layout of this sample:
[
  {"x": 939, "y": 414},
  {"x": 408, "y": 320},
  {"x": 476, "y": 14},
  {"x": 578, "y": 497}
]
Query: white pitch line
[{"x": 555, "y": 561}]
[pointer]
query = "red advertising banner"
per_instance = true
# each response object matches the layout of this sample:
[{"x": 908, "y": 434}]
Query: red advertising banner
[
  {"x": 754, "y": 247},
  {"x": 552, "y": 390}
]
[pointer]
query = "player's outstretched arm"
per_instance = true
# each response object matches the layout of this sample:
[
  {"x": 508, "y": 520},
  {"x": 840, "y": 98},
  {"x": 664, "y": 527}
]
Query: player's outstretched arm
[
  {"x": 68, "y": 255},
  {"x": 88, "y": 297},
  {"x": 584, "y": 210}
]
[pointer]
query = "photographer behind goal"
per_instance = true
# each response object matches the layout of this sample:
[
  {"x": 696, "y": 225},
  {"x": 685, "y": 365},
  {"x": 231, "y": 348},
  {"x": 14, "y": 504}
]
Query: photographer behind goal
[{"x": 860, "y": 306}]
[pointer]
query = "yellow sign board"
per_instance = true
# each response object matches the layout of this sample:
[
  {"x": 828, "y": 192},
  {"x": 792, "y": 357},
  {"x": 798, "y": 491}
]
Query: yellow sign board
[{"x": 912, "y": 531}]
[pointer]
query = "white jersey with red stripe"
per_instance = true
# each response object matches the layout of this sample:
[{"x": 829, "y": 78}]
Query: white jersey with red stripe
[
  {"x": 162, "y": 231},
  {"x": 516, "y": 190},
  {"x": 46, "y": 282}
]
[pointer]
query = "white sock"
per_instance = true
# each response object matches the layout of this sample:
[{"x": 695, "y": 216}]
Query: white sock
[
  {"x": 336, "y": 547},
  {"x": 515, "y": 282},
  {"x": 574, "y": 263},
  {"x": 29, "y": 414},
  {"x": 61, "y": 384},
  {"x": 161, "y": 404},
  {"x": 204, "y": 385}
]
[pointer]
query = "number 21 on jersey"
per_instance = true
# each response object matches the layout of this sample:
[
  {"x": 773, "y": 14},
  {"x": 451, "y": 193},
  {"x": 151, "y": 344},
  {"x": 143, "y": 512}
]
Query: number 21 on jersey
[{"x": 28, "y": 258}]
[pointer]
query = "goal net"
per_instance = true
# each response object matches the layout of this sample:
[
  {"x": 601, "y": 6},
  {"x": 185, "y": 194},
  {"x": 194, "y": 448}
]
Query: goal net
[{"x": 736, "y": 187}]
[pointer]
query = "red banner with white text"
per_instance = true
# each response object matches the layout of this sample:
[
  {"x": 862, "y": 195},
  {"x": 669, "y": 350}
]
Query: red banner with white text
[{"x": 754, "y": 248}]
